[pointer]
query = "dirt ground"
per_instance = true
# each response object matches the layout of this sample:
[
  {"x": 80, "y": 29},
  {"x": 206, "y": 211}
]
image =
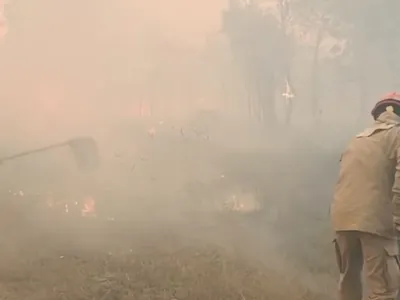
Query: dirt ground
[
  {"x": 64, "y": 256},
  {"x": 151, "y": 250},
  {"x": 91, "y": 258}
]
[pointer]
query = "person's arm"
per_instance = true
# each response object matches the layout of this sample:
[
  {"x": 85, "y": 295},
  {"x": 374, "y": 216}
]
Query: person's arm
[{"x": 396, "y": 192}]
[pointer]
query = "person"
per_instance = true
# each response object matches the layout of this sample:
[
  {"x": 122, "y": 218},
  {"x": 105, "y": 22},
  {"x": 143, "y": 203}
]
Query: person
[{"x": 365, "y": 211}]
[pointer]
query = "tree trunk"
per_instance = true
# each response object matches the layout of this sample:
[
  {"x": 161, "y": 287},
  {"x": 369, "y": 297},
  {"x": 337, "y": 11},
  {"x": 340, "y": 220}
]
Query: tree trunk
[
  {"x": 266, "y": 92},
  {"x": 289, "y": 111},
  {"x": 315, "y": 75}
]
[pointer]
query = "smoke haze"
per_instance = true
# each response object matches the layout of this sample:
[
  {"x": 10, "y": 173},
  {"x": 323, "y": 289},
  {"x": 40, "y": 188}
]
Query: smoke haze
[{"x": 195, "y": 134}]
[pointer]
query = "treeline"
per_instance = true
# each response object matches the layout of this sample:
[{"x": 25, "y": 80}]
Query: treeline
[{"x": 268, "y": 40}]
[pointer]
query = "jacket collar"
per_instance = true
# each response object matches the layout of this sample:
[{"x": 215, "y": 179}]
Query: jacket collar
[
  {"x": 388, "y": 118},
  {"x": 385, "y": 121}
]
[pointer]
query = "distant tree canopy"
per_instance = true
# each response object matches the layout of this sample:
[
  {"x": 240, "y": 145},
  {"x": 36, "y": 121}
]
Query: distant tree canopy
[
  {"x": 263, "y": 46},
  {"x": 369, "y": 28}
]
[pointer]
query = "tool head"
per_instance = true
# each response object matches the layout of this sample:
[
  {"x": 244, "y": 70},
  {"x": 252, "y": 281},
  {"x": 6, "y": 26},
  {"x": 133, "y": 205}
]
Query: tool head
[{"x": 85, "y": 151}]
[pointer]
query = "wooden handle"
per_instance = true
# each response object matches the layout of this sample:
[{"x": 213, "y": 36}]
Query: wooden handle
[{"x": 25, "y": 153}]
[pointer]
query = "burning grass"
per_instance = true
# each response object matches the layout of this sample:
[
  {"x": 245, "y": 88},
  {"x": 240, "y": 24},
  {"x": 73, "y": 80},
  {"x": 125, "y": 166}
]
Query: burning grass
[
  {"x": 117, "y": 246},
  {"x": 68, "y": 256}
]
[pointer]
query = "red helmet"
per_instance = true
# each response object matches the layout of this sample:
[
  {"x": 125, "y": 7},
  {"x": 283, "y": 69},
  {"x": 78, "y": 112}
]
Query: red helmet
[{"x": 391, "y": 99}]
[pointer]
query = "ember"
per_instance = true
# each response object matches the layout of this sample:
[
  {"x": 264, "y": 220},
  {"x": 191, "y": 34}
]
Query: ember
[{"x": 89, "y": 207}]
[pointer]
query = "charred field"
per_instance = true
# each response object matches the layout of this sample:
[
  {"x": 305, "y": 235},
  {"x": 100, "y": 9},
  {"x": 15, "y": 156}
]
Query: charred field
[{"x": 158, "y": 231}]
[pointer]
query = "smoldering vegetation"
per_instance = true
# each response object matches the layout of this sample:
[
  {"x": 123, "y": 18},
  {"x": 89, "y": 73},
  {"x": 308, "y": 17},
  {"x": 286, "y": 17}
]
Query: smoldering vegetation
[
  {"x": 178, "y": 217},
  {"x": 219, "y": 128}
]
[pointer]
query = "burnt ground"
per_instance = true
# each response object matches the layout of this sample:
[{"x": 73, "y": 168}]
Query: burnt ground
[
  {"x": 153, "y": 250},
  {"x": 65, "y": 256}
]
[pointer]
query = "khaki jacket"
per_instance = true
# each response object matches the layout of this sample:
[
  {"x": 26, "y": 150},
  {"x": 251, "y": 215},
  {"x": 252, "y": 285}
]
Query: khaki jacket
[{"x": 367, "y": 193}]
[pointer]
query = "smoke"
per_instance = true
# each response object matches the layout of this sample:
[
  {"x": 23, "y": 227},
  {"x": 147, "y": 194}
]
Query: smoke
[{"x": 154, "y": 83}]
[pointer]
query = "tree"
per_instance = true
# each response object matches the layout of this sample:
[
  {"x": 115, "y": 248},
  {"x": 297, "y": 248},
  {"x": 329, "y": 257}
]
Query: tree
[
  {"x": 369, "y": 28},
  {"x": 318, "y": 18},
  {"x": 257, "y": 43},
  {"x": 285, "y": 17}
]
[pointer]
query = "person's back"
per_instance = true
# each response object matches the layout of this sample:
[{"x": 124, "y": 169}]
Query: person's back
[
  {"x": 365, "y": 211},
  {"x": 363, "y": 193}
]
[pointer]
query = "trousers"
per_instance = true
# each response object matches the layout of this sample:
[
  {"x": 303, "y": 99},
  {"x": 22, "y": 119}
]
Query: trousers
[{"x": 377, "y": 256}]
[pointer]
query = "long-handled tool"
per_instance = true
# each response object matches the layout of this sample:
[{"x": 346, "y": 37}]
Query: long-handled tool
[{"x": 84, "y": 149}]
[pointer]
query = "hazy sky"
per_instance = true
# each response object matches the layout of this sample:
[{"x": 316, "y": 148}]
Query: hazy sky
[
  {"x": 183, "y": 19},
  {"x": 48, "y": 39}
]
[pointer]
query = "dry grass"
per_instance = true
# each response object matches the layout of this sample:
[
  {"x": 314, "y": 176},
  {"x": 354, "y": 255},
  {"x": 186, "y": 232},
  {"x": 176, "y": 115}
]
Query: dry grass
[
  {"x": 134, "y": 263},
  {"x": 78, "y": 258},
  {"x": 156, "y": 249}
]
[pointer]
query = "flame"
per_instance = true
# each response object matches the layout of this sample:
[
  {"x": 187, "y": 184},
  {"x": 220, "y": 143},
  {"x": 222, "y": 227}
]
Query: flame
[
  {"x": 89, "y": 207},
  {"x": 145, "y": 110},
  {"x": 141, "y": 109},
  {"x": 151, "y": 132},
  {"x": 3, "y": 20},
  {"x": 88, "y": 203}
]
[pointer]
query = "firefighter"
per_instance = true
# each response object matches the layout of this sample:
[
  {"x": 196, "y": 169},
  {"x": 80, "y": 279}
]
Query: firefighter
[{"x": 365, "y": 211}]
